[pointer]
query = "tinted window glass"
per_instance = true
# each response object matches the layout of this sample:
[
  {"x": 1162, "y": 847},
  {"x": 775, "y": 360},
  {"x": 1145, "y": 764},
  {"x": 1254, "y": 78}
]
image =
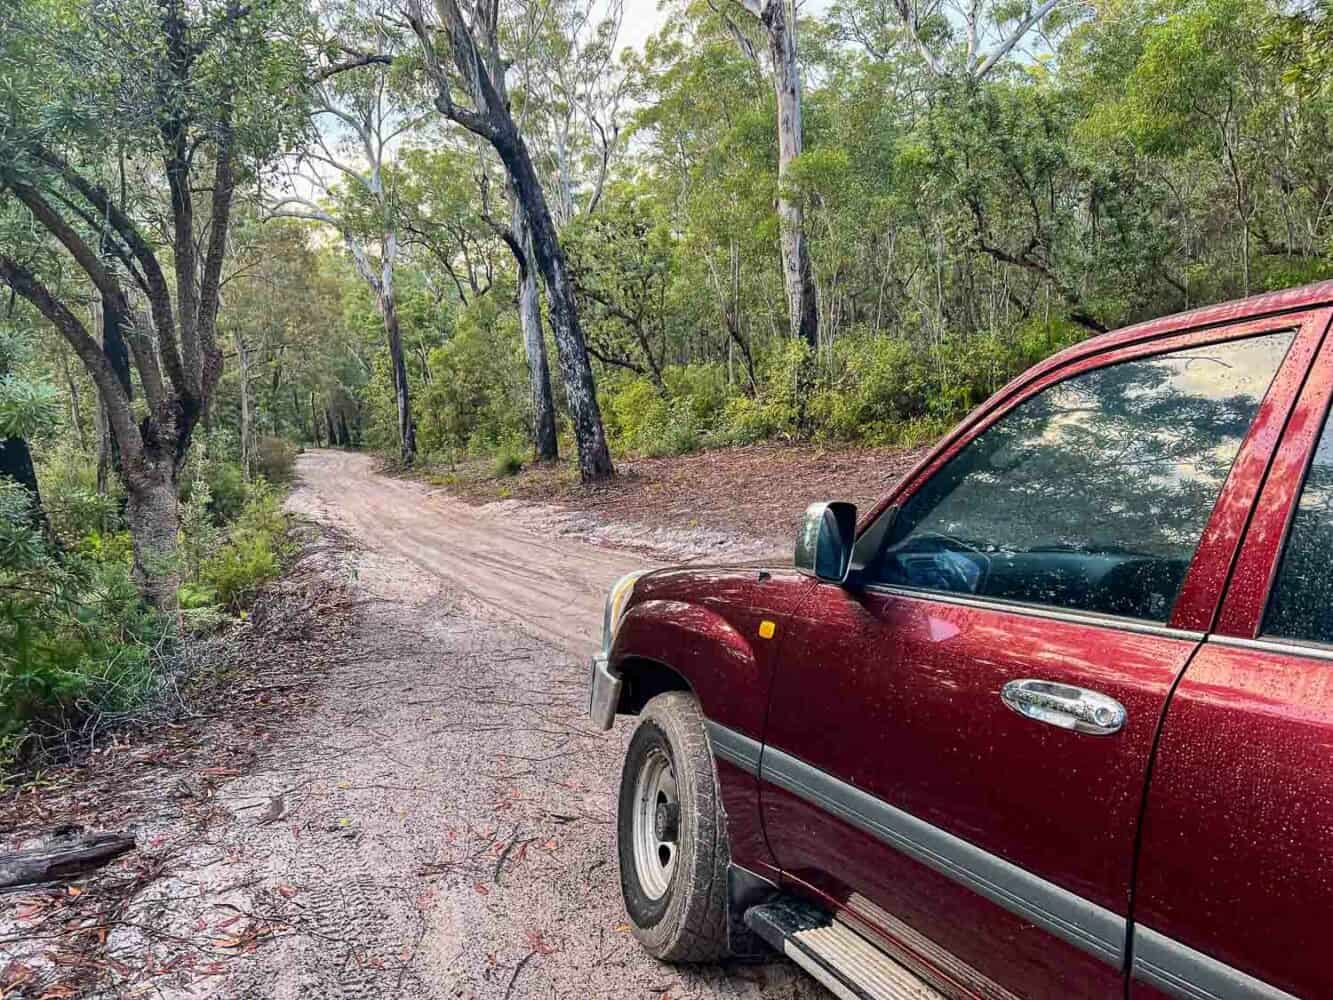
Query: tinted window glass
[
  {"x": 1301, "y": 606},
  {"x": 1092, "y": 494}
]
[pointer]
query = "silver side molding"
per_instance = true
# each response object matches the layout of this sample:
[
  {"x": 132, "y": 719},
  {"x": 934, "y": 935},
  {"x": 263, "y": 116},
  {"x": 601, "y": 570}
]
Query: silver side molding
[
  {"x": 1182, "y": 972},
  {"x": 1084, "y": 924},
  {"x": 1157, "y": 960},
  {"x": 735, "y": 748}
]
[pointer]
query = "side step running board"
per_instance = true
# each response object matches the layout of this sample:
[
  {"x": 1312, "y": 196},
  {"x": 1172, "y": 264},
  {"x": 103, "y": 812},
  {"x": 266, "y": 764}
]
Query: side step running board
[{"x": 842, "y": 960}]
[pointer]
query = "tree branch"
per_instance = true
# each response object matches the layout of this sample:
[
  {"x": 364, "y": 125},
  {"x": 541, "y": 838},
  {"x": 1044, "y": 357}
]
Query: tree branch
[
  {"x": 1015, "y": 36},
  {"x": 355, "y": 60},
  {"x": 25, "y": 283}
]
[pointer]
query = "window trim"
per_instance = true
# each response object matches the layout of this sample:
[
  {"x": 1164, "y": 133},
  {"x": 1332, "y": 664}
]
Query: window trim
[
  {"x": 1205, "y": 579},
  {"x": 1263, "y": 543},
  {"x": 1260, "y": 635}
]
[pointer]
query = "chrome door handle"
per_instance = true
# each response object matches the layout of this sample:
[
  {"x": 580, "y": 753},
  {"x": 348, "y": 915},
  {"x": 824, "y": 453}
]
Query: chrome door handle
[{"x": 1065, "y": 706}]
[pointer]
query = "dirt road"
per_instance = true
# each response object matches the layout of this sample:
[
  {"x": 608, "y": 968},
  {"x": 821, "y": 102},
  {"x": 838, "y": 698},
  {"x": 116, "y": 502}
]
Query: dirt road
[
  {"x": 440, "y": 825},
  {"x": 552, "y": 587}
]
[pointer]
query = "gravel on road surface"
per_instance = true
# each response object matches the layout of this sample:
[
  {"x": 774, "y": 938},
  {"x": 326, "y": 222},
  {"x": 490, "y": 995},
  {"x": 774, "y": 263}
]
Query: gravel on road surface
[{"x": 447, "y": 821}]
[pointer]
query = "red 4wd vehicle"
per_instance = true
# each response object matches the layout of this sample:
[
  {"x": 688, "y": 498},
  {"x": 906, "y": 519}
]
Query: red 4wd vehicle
[{"x": 1053, "y": 720}]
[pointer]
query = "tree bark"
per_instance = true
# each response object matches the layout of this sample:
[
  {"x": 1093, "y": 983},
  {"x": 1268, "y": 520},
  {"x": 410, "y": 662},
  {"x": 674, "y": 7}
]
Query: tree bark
[
  {"x": 482, "y": 73},
  {"x": 152, "y": 512},
  {"x": 798, "y": 276},
  {"x": 571, "y": 348},
  {"x": 75, "y": 401},
  {"x": 407, "y": 431},
  {"x": 314, "y": 421},
  {"x": 247, "y": 420},
  {"x": 16, "y": 464},
  {"x": 544, "y": 442}
]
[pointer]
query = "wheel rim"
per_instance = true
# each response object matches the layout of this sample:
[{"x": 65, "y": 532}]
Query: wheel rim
[{"x": 656, "y": 824}]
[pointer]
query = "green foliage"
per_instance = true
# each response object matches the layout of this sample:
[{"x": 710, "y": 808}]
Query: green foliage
[
  {"x": 71, "y": 500},
  {"x": 75, "y": 640},
  {"x": 508, "y": 462},
  {"x": 27, "y": 408},
  {"x": 225, "y": 485},
  {"x": 252, "y": 553},
  {"x": 477, "y": 398},
  {"x": 275, "y": 459},
  {"x": 78, "y": 649}
]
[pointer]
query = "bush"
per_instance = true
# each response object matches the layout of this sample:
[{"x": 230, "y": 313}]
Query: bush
[
  {"x": 76, "y": 642},
  {"x": 275, "y": 459},
  {"x": 645, "y": 422},
  {"x": 508, "y": 462},
  {"x": 226, "y": 489},
  {"x": 252, "y": 553},
  {"x": 70, "y": 498}
]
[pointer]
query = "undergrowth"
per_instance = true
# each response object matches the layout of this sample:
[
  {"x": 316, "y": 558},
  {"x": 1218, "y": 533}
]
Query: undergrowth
[
  {"x": 79, "y": 650},
  {"x": 863, "y": 389}
]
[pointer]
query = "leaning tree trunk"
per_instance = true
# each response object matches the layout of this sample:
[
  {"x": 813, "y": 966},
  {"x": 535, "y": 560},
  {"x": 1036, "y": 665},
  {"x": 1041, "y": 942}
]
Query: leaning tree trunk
[
  {"x": 798, "y": 276},
  {"x": 544, "y": 441},
  {"x": 571, "y": 349}
]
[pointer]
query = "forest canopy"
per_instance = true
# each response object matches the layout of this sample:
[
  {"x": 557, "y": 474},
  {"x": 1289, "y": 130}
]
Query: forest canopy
[{"x": 490, "y": 231}]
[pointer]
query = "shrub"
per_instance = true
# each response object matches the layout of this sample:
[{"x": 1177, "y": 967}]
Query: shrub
[
  {"x": 508, "y": 462},
  {"x": 76, "y": 642},
  {"x": 252, "y": 553},
  {"x": 226, "y": 487},
  {"x": 275, "y": 459},
  {"x": 70, "y": 498}
]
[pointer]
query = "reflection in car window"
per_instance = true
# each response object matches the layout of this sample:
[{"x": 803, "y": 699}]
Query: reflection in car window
[
  {"x": 1301, "y": 606},
  {"x": 1093, "y": 494}
]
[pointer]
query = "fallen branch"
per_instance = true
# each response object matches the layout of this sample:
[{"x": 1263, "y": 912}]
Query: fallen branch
[{"x": 63, "y": 857}]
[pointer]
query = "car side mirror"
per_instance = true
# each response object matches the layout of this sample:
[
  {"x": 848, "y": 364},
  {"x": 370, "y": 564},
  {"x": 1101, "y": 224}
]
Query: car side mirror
[{"x": 824, "y": 541}]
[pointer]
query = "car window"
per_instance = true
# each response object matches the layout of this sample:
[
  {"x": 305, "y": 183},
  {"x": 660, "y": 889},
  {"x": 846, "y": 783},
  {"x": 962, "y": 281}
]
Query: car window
[
  {"x": 1093, "y": 494},
  {"x": 1301, "y": 605}
]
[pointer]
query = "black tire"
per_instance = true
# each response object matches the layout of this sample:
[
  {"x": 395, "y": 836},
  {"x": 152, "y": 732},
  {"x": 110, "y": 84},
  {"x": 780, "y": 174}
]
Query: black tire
[{"x": 688, "y": 922}]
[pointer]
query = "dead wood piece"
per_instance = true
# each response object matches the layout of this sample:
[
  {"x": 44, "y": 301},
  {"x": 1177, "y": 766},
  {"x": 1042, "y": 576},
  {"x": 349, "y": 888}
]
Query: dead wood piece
[{"x": 62, "y": 857}]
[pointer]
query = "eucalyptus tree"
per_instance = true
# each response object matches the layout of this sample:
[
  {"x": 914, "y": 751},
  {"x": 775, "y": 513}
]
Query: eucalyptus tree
[
  {"x": 570, "y": 101},
  {"x": 445, "y": 197},
  {"x": 343, "y": 177},
  {"x": 462, "y": 56},
  {"x": 1217, "y": 96},
  {"x": 104, "y": 108},
  {"x": 967, "y": 39},
  {"x": 778, "y": 18}
]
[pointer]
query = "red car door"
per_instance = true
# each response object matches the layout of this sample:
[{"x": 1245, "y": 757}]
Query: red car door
[
  {"x": 1235, "y": 890},
  {"x": 957, "y": 742}
]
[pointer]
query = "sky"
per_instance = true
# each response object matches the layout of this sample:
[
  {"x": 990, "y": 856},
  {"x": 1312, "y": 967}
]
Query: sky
[{"x": 642, "y": 18}]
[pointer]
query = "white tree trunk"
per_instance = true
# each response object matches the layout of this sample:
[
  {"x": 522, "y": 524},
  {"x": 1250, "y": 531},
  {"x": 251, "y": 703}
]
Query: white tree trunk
[
  {"x": 779, "y": 18},
  {"x": 544, "y": 440}
]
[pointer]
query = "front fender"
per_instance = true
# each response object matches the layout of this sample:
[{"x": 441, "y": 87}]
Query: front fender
[{"x": 729, "y": 676}]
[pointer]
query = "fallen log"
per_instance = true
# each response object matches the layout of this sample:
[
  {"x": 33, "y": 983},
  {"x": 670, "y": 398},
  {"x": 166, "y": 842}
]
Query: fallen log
[{"x": 62, "y": 857}]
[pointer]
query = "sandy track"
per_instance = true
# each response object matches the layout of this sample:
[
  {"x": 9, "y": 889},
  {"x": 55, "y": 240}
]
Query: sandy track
[
  {"x": 440, "y": 825},
  {"x": 553, "y": 587}
]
